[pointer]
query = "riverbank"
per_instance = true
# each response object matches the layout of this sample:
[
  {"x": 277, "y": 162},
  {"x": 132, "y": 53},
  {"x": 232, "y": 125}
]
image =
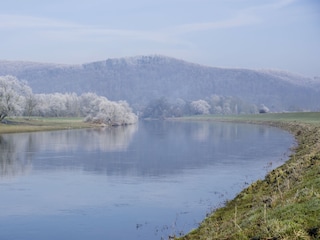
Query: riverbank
[
  {"x": 286, "y": 204},
  {"x": 16, "y": 125}
]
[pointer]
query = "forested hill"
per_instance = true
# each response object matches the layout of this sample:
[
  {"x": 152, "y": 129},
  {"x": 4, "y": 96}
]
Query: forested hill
[{"x": 141, "y": 79}]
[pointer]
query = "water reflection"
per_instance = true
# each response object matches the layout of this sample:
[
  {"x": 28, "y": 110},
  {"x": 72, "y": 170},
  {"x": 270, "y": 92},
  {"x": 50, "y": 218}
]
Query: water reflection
[
  {"x": 13, "y": 161},
  {"x": 18, "y": 151},
  {"x": 157, "y": 149}
]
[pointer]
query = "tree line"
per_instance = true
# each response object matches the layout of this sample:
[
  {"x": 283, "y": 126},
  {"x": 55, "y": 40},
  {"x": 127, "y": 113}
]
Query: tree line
[
  {"x": 163, "y": 108},
  {"x": 17, "y": 99}
]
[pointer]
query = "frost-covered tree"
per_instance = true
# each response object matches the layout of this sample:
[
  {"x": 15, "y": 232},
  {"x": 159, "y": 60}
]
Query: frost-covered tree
[
  {"x": 72, "y": 102},
  {"x": 229, "y": 105},
  {"x": 30, "y": 103},
  {"x": 158, "y": 108},
  {"x": 58, "y": 105},
  {"x": 89, "y": 104},
  {"x": 98, "y": 109},
  {"x": 125, "y": 113},
  {"x": 12, "y": 95},
  {"x": 16, "y": 98},
  {"x": 200, "y": 107},
  {"x": 93, "y": 108},
  {"x": 51, "y": 105},
  {"x": 42, "y": 106},
  {"x": 179, "y": 108}
]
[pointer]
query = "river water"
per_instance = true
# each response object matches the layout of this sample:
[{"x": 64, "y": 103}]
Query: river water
[{"x": 145, "y": 181}]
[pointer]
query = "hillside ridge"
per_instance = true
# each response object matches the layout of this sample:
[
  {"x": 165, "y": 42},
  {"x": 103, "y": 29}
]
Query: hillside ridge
[{"x": 141, "y": 79}]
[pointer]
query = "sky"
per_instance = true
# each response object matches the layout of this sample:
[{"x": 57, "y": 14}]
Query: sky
[{"x": 264, "y": 34}]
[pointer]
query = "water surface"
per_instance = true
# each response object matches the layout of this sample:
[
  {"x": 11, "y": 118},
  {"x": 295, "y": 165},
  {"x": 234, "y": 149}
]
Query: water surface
[{"x": 145, "y": 181}]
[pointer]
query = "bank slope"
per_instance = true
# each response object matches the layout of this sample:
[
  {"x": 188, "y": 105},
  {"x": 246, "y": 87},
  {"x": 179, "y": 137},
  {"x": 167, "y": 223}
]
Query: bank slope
[{"x": 286, "y": 204}]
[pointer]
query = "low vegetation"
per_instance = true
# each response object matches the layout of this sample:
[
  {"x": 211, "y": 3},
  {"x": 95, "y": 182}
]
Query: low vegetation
[
  {"x": 15, "y": 125},
  {"x": 286, "y": 204}
]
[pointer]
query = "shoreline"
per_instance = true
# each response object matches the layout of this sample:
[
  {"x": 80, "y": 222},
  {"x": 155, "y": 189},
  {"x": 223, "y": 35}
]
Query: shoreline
[
  {"x": 38, "y": 124},
  {"x": 286, "y": 203}
]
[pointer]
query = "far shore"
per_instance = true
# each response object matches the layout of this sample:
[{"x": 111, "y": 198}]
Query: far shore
[{"x": 36, "y": 124}]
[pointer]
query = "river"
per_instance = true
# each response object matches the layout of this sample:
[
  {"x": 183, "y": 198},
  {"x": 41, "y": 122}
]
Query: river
[{"x": 145, "y": 181}]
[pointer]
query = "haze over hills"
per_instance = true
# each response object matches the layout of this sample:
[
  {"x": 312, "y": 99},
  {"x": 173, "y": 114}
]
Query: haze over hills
[{"x": 141, "y": 79}]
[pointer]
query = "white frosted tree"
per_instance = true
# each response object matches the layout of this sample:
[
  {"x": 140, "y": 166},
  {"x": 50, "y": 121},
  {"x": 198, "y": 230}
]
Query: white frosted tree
[
  {"x": 12, "y": 96},
  {"x": 72, "y": 104},
  {"x": 200, "y": 107},
  {"x": 88, "y": 104},
  {"x": 99, "y": 109},
  {"x": 30, "y": 103},
  {"x": 215, "y": 102},
  {"x": 58, "y": 105},
  {"x": 16, "y": 98},
  {"x": 42, "y": 107},
  {"x": 127, "y": 115}
]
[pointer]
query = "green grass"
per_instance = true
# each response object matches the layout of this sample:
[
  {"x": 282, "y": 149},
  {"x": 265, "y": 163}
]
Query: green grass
[
  {"x": 286, "y": 204},
  {"x": 303, "y": 117},
  {"x": 15, "y": 125}
]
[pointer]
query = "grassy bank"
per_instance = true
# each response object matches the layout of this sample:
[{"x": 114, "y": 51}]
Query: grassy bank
[
  {"x": 286, "y": 204},
  {"x": 15, "y": 125}
]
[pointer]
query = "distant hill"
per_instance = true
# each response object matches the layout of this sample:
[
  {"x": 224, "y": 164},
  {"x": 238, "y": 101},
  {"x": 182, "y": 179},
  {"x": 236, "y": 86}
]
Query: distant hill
[{"x": 141, "y": 79}]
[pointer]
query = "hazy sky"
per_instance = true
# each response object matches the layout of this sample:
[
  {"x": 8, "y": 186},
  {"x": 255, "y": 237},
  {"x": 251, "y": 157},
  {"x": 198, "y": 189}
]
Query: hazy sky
[{"x": 276, "y": 34}]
